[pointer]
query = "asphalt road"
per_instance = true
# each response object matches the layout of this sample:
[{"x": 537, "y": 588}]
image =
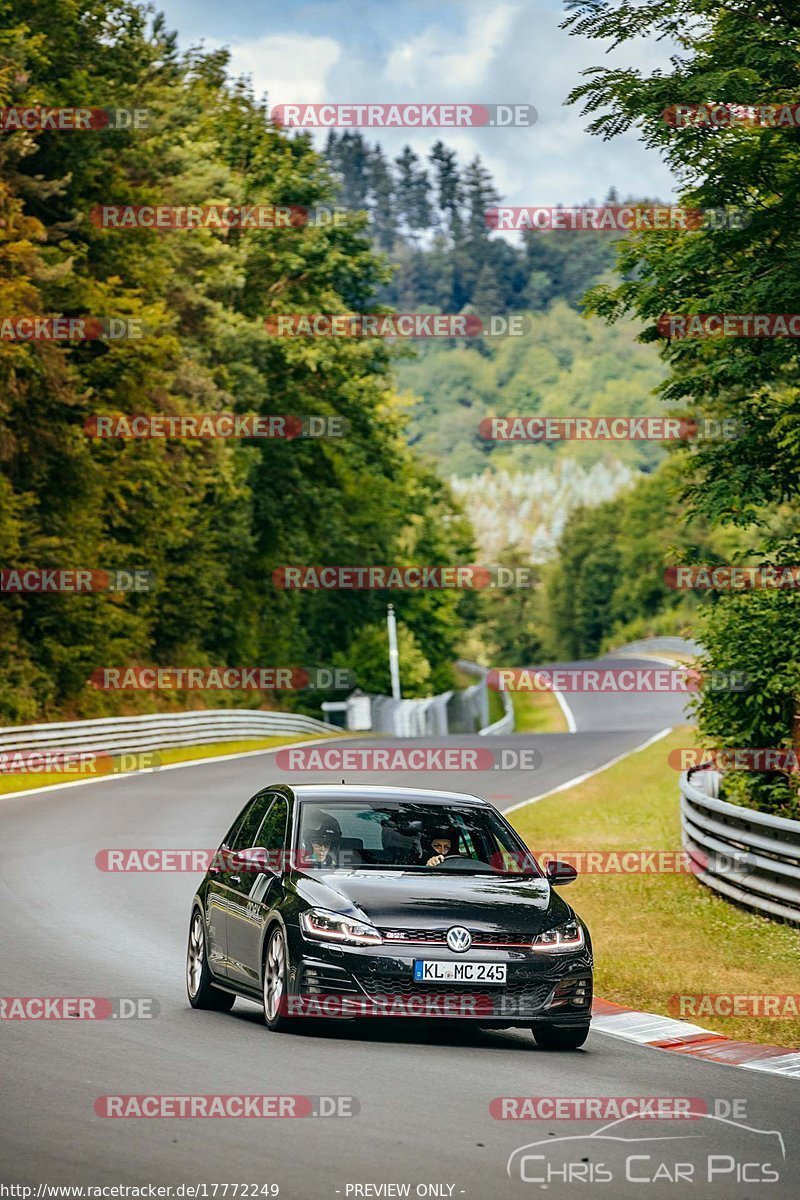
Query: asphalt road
[{"x": 423, "y": 1093}]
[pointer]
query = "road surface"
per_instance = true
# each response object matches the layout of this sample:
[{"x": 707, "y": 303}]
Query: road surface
[{"x": 70, "y": 929}]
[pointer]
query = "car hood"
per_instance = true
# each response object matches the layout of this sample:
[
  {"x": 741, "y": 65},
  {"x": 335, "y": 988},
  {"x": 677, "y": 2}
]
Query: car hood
[{"x": 405, "y": 900}]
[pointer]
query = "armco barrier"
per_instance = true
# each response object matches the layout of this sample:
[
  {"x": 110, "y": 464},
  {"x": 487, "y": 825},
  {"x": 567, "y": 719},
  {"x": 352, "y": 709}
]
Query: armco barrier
[
  {"x": 158, "y": 731},
  {"x": 749, "y": 857},
  {"x": 504, "y": 724},
  {"x": 462, "y": 711}
]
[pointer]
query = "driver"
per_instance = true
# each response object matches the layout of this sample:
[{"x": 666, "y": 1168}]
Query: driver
[
  {"x": 440, "y": 842},
  {"x": 321, "y": 841}
]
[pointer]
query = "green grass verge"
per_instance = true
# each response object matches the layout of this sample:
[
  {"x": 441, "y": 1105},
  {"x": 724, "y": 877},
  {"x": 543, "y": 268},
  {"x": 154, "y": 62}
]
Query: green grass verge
[
  {"x": 657, "y": 936},
  {"x": 23, "y": 782},
  {"x": 496, "y": 710},
  {"x": 537, "y": 712}
]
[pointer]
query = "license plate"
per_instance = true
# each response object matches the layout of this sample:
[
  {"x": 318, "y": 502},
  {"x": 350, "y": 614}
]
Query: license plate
[{"x": 458, "y": 972}]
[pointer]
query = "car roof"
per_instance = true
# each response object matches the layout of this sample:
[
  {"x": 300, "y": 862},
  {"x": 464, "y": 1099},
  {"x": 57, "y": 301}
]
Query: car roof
[{"x": 331, "y": 793}]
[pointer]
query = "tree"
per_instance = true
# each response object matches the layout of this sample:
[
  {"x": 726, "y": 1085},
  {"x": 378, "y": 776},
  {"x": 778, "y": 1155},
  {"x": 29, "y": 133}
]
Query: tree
[
  {"x": 211, "y": 519},
  {"x": 412, "y": 190},
  {"x": 747, "y": 176}
]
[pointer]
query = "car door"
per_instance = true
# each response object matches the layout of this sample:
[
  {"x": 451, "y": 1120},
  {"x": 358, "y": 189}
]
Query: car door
[
  {"x": 225, "y": 880},
  {"x": 255, "y": 893}
]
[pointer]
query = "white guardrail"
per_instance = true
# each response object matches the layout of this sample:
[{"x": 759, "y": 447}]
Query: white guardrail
[
  {"x": 504, "y": 724},
  {"x": 749, "y": 857},
  {"x": 158, "y": 731},
  {"x": 463, "y": 711}
]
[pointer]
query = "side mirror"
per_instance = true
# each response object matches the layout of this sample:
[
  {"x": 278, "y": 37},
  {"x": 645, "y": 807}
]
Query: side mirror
[
  {"x": 560, "y": 873},
  {"x": 256, "y": 858}
]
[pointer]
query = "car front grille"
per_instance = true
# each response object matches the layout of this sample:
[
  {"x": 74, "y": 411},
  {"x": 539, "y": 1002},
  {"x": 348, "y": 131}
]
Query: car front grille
[{"x": 438, "y": 937}]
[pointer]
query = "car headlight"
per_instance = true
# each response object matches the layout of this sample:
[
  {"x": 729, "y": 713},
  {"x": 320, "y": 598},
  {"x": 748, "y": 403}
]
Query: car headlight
[
  {"x": 325, "y": 926},
  {"x": 568, "y": 936}
]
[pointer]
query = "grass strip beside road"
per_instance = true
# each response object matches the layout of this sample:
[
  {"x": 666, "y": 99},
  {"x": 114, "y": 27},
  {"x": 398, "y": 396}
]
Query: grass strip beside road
[
  {"x": 537, "y": 712},
  {"x": 662, "y": 935},
  {"x": 23, "y": 781}
]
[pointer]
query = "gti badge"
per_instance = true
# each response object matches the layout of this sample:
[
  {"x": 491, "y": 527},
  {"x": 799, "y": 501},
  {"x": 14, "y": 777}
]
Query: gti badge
[{"x": 459, "y": 939}]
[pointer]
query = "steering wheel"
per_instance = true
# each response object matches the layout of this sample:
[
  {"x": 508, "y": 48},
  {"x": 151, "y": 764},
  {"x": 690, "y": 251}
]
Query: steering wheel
[{"x": 469, "y": 862}]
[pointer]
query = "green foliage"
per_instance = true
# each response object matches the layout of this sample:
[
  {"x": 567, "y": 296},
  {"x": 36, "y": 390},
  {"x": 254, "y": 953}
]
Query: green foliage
[
  {"x": 756, "y": 633},
  {"x": 461, "y": 265},
  {"x": 608, "y": 579},
  {"x": 210, "y": 519},
  {"x": 370, "y": 649},
  {"x": 738, "y": 54},
  {"x": 566, "y": 366},
  {"x": 742, "y": 53}
]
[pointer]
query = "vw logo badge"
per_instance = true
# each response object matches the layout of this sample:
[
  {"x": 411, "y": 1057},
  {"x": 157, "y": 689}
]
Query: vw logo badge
[{"x": 459, "y": 939}]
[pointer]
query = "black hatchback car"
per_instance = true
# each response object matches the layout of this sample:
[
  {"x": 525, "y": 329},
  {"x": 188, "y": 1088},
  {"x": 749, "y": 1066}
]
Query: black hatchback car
[{"x": 339, "y": 901}]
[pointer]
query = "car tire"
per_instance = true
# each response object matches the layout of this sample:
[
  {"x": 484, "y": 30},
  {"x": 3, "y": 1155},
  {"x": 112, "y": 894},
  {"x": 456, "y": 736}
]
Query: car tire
[
  {"x": 560, "y": 1037},
  {"x": 274, "y": 981},
  {"x": 201, "y": 992}
]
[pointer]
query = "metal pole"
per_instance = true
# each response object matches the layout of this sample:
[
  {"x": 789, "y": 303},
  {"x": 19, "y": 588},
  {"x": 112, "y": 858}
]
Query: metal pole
[{"x": 394, "y": 658}]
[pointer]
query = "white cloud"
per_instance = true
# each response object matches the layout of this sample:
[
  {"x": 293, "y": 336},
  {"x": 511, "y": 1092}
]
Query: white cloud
[
  {"x": 506, "y": 54},
  {"x": 288, "y": 66},
  {"x": 438, "y": 58}
]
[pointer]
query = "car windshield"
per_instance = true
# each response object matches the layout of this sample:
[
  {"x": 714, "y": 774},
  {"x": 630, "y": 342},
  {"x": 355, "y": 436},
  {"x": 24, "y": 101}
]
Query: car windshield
[{"x": 365, "y": 834}]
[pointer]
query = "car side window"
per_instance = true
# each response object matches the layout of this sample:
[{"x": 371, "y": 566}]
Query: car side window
[
  {"x": 272, "y": 834},
  {"x": 244, "y": 837}
]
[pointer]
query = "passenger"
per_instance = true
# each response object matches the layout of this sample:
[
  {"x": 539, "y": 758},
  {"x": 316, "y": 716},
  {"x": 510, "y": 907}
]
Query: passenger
[{"x": 321, "y": 841}]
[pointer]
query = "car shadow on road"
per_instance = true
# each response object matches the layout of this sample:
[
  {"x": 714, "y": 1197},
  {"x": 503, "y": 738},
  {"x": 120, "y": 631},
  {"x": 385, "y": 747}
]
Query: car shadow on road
[{"x": 440, "y": 1032}]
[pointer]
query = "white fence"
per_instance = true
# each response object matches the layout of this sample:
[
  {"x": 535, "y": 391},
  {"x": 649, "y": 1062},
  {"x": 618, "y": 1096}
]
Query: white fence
[
  {"x": 504, "y": 724},
  {"x": 463, "y": 711},
  {"x": 157, "y": 731},
  {"x": 749, "y": 857}
]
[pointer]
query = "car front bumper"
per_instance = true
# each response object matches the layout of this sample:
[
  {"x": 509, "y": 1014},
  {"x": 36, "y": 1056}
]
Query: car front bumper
[{"x": 377, "y": 981}]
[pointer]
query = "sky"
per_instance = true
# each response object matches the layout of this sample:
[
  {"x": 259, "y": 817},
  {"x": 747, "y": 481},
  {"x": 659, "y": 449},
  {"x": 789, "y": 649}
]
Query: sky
[{"x": 425, "y": 51}]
